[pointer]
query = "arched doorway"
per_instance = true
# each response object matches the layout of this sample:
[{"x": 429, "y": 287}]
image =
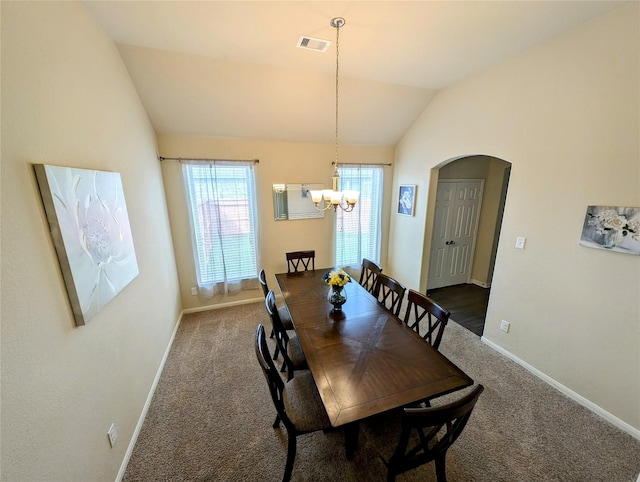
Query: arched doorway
[{"x": 467, "y": 217}]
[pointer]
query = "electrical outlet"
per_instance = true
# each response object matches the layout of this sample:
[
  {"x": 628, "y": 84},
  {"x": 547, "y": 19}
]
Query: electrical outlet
[
  {"x": 112, "y": 434},
  {"x": 194, "y": 291},
  {"x": 504, "y": 326}
]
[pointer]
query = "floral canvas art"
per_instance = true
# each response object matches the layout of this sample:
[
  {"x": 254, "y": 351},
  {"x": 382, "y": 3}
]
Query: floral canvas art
[
  {"x": 89, "y": 226},
  {"x": 612, "y": 228}
]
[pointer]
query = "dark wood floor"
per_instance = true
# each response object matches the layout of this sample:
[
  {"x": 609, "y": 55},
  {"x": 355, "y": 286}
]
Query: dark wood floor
[{"x": 466, "y": 302}]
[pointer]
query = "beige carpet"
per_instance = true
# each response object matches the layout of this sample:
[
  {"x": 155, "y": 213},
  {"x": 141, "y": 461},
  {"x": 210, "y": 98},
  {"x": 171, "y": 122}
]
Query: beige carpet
[{"x": 211, "y": 416}]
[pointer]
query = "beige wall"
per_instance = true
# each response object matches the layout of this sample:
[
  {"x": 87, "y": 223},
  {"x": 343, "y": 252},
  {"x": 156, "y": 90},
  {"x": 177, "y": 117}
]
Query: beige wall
[
  {"x": 67, "y": 100},
  {"x": 279, "y": 163},
  {"x": 566, "y": 115}
]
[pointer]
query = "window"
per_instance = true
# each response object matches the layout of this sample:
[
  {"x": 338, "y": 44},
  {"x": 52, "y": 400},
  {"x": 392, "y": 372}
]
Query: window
[
  {"x": 222, "y": 204},
  {"x": 358, "y": 233}
]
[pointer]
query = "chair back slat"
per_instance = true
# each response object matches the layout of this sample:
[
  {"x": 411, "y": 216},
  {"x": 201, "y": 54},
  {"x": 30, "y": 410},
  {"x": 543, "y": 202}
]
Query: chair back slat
[
  {"x": 427, "y": 318},
  {"x": 368, "y": 274},
  {"x": 282, "y": 338},
  {"x": 262, "y": 278},
  {"x": 301, "y": 261},
  {"x": 270, "y": 372},
  {"x": 432, "y": 444},
  {"x": 389, "y": 293}
]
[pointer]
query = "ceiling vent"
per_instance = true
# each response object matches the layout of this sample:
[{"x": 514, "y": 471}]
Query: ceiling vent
[{"x": 310, "y": 43}]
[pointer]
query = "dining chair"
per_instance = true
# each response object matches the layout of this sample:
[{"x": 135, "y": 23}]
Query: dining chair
[
  {"x": 427, "y": 434},
  {"x": 283, "y": 311},
  {"x": 301, "y": 260},
  {"x": 389, "y": 293},
  {"x": 368, "y": 274},
  {"x": 297, "y": 401},
  {"x": 420, "y": 307},
  {"x": 292, "y": 354}
]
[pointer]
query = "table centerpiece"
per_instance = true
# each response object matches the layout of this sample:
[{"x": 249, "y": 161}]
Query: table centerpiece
[{"x": 337, "y": 295}]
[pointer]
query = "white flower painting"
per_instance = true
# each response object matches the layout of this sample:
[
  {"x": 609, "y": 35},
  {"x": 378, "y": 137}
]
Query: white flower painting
[
  {"x": 89, "y": 225},
  {"x": 612, "y": 228}
]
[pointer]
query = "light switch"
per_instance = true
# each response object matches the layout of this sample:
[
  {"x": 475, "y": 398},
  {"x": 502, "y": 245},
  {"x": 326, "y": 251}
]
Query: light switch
[{"x": 520, "y": 240}]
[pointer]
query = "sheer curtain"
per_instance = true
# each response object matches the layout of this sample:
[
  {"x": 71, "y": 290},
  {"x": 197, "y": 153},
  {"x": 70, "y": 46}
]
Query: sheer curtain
[
  {"x": 222, "y": 204},
  {"x": 359, "y": 233}
]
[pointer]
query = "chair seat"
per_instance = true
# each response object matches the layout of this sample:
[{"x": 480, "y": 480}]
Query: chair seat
[
  {"x": 285, "y": 317},
  {"x": 296, "y": 355},
  {"x": 303, "y": 404}
]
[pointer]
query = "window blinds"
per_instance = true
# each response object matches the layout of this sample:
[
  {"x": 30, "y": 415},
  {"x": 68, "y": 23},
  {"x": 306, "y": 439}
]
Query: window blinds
[
  {"x": 222, "y": 204},
  {"x": 358, "y": 233}
]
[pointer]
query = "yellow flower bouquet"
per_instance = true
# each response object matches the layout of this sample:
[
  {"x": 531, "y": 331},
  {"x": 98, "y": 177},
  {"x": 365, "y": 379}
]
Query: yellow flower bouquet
[
  {"x": 337, "y": 295},
  {"x": 336, "y": 278}
]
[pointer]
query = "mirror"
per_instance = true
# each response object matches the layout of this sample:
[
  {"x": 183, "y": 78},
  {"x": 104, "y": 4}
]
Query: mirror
[{"x": 293, "y": 201}]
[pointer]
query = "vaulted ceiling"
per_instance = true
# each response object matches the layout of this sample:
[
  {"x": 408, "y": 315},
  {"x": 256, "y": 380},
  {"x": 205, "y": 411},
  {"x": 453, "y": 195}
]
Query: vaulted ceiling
[{"x": 233, "y": 68}]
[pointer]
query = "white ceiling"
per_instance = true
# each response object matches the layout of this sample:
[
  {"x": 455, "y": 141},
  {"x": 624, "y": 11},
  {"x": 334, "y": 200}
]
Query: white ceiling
[{"x": 232, "y": 68}]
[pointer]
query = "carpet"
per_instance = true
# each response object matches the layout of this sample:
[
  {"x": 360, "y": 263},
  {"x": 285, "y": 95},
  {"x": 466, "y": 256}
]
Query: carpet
[{"x": 210, "y": 420}]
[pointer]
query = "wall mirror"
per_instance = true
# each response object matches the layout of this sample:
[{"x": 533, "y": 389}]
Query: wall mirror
[{"x": 293, "y": 201}]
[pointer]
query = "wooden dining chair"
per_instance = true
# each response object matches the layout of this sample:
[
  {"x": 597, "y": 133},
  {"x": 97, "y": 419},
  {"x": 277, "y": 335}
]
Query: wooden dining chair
[
  {"x": 301, "y": 261},
  {"x": 389, "y": 293},
  {"x": 292, "y": 354},
  {"x": 427, "y": 434},
  {"x": 285, "y": 316},
  {"x": 368, "y": 274},
  {"x": 298, "y": 404},
  {"x": 425, "y": 312}
]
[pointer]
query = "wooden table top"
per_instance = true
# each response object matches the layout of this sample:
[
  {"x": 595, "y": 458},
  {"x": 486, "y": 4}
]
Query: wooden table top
[{"x": 364, "y": 361}]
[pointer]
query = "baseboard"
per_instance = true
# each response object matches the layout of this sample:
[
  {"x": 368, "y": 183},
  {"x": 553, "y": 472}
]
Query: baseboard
[
  {"x": 145, "y": 409},
  {"x": 222, "y": 305},
  {"x": 480, "y": 283},
  {"x": 621, "y": 424}
]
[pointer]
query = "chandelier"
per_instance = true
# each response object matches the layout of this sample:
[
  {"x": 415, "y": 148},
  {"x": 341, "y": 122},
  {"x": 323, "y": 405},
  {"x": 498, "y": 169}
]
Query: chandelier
[{"x": 334, "y": 198}]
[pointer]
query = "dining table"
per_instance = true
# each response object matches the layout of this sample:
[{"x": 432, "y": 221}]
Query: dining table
[{"x": 363, "y": 359}]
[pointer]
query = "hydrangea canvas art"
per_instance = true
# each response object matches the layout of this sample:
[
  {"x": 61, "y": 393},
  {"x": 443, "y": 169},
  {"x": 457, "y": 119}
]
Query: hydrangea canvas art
[
  {"x": 612, "y": 228},
  {"x": 89, "y": 226}
]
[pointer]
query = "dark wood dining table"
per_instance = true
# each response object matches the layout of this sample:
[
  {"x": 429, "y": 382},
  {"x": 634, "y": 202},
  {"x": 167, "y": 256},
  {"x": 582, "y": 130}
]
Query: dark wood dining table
[{"x": 364, "y": 360}]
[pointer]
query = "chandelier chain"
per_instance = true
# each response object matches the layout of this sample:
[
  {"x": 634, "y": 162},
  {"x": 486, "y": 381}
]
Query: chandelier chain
[
  {"x": 337, "y": 85},
  {"x": 333, "y": 198}
]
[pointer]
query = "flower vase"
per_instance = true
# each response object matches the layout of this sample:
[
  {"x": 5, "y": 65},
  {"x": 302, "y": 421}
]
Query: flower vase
[
  {"x": 337, "y": 297},
  {"x": 610, "y": 238}
]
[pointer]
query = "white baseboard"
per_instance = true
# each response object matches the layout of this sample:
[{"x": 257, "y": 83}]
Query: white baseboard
[
  {"x": 145, "y": 409},
  {"x": 222, "y": 305},
  {"x": 480, "y": 283},
  {"x": 143, "y": 415},
  {"x": 621, "y": 424}
]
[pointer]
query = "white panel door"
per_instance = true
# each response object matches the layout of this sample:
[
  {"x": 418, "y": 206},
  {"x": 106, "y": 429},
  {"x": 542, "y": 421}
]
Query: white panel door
[{"x": 454, "y": 232}]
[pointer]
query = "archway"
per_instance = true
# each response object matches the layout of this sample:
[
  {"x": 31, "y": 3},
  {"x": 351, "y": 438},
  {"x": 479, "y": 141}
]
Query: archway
[{"x": 464, "y": 214}]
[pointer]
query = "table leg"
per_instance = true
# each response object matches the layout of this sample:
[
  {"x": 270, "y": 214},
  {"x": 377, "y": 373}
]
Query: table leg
[{"x": 351, "y": 439}]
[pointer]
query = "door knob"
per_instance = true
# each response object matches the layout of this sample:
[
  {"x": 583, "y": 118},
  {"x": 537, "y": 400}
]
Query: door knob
[{"x": 450, "y": 242}]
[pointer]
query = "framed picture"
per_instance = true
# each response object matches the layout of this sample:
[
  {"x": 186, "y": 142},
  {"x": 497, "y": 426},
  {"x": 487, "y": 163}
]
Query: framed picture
[
  {"x": 89, "y": 226},
  {"x": 612, "y": 228},
  {"x": 407, "y": 199}
]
